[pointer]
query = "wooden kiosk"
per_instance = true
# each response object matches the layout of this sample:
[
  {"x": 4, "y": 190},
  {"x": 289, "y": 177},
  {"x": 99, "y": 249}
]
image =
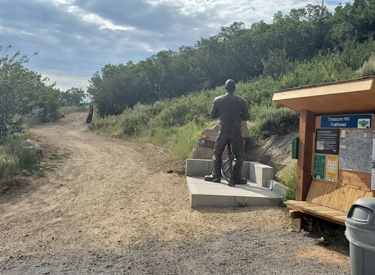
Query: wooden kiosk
[{"x": 336, "y": 162}]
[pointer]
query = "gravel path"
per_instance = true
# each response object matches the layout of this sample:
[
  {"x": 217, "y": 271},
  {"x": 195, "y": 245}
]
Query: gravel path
[
  {"x": 241, "y": 252},
  {"x": 110, "y": 208}
]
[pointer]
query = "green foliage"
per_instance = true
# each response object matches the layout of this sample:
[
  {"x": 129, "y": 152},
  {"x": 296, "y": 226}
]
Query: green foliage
[
  {"x": 8, "y": 167},
  {"x": 277, "y": 64},
  {"x": 175, "y": 115},
  {"x": 185, "y": 140},
  {"x": 131, "y": 122},
  {"x": 15, "y": 157},
  {"x": 27, "y": 157},
  {"x": 161, "y": 136},
  {"x": 289, "y": 178},
  {"x": 20, "y": 90},
  {"x": 354, "y": 21},
  {"x": 321, "y": 69},
  {"x": 275, "y": 120},
  {"x": 368, "y": 68},
  {"x": 72, "y": 97}
]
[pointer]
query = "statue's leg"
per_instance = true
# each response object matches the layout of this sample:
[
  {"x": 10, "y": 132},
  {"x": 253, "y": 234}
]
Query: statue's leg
[
  {"x": 239, "y": 153},
  {"x": 220, "y": 143}
]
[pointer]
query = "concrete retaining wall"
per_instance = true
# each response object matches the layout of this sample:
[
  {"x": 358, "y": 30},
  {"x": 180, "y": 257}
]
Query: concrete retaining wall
[
  {"x": 256, "y": 172},
  {"x": 203, "y": 167}
]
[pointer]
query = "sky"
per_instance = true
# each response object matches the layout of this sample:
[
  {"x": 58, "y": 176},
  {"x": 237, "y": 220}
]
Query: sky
[{"x": 76, "y": 38}]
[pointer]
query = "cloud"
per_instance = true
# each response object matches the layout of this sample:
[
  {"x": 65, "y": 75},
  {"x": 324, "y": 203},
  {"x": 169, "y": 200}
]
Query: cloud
[
  {"x": 64, "y": 82},
  {"x": 76, "y": 38}
]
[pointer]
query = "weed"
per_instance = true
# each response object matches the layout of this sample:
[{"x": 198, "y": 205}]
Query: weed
[
  {"x": 368, "y": 68},
  {"x": 15, "y": 157},
  {"x": 289, "y": 178},
  {"x": 185, "y": 140}
]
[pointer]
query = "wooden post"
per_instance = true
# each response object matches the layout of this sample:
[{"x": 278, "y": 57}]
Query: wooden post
[{"x": 305, "y": 154}]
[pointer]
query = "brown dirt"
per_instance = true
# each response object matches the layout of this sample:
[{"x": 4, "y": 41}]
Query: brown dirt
[
  {"x": 110, "y": 194},
  {"x": 325, "y": 255}
]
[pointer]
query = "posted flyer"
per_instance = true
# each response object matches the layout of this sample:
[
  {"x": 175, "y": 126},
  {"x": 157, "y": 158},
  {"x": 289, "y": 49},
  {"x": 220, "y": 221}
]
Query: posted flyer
[
  {"x": 332, "y": 168},
  {"x": 319, "y": 164}
]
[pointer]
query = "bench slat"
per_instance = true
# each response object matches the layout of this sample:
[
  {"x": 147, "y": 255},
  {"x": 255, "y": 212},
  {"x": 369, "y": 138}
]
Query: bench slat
[{"x": 319, "y": 211}]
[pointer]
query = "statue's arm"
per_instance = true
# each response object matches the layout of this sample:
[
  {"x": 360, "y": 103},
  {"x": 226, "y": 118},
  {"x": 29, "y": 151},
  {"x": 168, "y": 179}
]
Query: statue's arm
[
  {"x": 214, "y": 111},
  {"x": 245, "y": 112}
]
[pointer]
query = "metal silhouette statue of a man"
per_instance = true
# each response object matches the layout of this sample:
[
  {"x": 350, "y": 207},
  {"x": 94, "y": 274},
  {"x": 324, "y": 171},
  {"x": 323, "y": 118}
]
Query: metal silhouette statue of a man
[{"x": 231, "y": 110}]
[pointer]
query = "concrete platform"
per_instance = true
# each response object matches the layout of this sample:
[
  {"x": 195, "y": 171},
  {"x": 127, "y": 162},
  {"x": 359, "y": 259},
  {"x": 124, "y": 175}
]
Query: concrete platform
[{"x": 204, "y": 193}]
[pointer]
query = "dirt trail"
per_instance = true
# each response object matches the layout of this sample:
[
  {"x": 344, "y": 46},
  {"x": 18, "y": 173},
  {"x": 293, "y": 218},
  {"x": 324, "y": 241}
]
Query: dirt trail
[{"x": 109, "y": 195}]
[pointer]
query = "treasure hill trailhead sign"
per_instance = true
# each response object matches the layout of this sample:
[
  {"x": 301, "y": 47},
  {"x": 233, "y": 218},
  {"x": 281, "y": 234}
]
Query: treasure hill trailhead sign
[{"x": 347, "y": 121}]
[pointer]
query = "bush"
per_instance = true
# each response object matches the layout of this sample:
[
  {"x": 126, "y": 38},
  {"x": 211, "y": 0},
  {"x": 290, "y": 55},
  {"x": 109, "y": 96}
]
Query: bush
[
  {"x": 132, "y": 122},
  {"x": 14, "y": 158},
  {"x": 174, "y": 115},
  {"x": 9, "y": 167},
  {"x": 27, "y": 157},
  {"x": 274, "y": 120},
  {"x": 368, "y": 68},
  {"x": 185, "y": 140},
  {"x": 289, "y": 178},
  {"x": 161, "y": 136}
]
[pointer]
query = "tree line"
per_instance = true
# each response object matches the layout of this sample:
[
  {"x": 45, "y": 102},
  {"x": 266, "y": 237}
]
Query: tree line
[{"x": 241, "y": 54}]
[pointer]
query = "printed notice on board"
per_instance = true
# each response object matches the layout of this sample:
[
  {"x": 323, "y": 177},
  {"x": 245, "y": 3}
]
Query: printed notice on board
[
  {"x": 319, "y": 164},
  {"x": 373, "y": 163},
  {"x": 332, "y": 168},
  {"x": 327, "y": 141}
]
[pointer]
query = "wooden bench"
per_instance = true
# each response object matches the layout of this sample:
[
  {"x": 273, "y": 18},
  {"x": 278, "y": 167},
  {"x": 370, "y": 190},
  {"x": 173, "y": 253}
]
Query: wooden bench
[{"x": 331, "y": 201}]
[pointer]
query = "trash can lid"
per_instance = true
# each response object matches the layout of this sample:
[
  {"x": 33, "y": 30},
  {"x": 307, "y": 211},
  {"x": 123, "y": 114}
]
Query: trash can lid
[
  {"x": 366, "y": 202},
  {"x": 362, "y": 214}
]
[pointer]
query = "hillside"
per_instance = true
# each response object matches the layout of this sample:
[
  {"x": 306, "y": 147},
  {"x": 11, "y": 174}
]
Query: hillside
[{"x": 166, "y": 99}]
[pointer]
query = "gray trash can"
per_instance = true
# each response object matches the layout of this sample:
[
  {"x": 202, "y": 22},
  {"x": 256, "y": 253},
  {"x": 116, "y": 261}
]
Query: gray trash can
[{"x": 360, "y": 232}]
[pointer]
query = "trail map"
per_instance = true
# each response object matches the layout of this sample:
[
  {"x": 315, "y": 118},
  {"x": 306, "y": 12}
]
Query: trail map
[{"x": 356, "y": 150}]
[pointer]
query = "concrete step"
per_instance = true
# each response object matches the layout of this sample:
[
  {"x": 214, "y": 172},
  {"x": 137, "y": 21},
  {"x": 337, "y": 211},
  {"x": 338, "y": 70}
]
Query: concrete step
[{"x": 205, "y": 193}]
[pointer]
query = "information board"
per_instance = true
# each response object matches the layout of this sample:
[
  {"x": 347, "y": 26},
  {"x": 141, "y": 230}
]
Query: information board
[
  {"x": 356, "y": 148},
  {"x": 327, "y": 141}
]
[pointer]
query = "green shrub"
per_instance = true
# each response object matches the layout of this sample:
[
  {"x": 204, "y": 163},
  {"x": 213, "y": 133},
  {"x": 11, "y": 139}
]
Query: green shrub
[
  {"x": 9, "y": 167},
  {"x": 161, "y": 136},
  {"x": 368, "y": 68},
  {"x": 185, "y": 140},
  {"x": 289, "y": 178},
  {"x": 274, "y": 120},
  {"x": 15, "y": 157},
  {"x": 27, "y": 157},
  {"x": 33, "y": 120},
  {"x": 132, "y": 122},
  {"x": 103, "y": 124},
  {"x": 174, "y": 115}
]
